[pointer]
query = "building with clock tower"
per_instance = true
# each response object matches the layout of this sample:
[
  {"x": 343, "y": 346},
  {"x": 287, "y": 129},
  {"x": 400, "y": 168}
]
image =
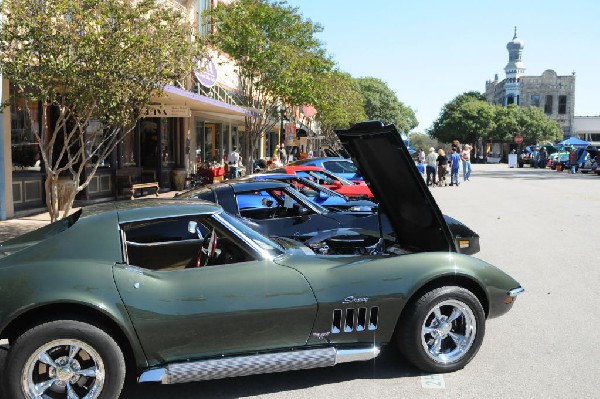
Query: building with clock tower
[{"x": 553, "y": 93}]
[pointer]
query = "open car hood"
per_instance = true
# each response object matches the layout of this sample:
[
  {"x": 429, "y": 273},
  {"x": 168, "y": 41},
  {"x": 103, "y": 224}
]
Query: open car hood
[{"x": 390, "y": 172}]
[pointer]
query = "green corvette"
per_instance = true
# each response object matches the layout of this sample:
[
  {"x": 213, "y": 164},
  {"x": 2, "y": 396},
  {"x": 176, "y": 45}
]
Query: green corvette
[{"x": 174, "y": 291}]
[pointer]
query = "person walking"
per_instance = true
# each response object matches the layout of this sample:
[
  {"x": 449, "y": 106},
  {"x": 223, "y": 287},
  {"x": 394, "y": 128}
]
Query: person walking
[
  {"x": 454, "y": 166},
  {"x": 431, "y": 160},
  {"x": 466, "y": 161},
  {"x": 283, "y": 154},
  {"x": 233, "y": 161},
  {"x": 543, "y": 157},
  {"x": 442, "y": 163},
  {"x": 573, "y": 160},
  {"x": 421, "y": 156}
]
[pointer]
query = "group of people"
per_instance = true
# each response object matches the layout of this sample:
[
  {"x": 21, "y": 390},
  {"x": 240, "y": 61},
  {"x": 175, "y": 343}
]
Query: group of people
[
  {"x": 234, "y": 160},
  {"x": 539, "y": 157},
  {"x": 435, "y": 165},
  {"x": 279, "y": 156}
]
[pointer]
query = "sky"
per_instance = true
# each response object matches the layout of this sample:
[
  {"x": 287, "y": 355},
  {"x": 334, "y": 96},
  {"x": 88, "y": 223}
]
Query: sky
[{"x": 430, "y": 51}]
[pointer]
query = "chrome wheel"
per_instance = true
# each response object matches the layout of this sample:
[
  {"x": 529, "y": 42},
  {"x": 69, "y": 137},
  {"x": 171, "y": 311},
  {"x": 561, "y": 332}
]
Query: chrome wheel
[
  {"x": 448, "y": 332},
  {"x": 64, "y": 368}
]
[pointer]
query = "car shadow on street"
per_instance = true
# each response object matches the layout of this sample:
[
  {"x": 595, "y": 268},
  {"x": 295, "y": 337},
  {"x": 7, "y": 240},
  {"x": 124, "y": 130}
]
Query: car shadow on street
[
  {"x": 389, "y": 364},
  {"x": 532, "y": 174}
]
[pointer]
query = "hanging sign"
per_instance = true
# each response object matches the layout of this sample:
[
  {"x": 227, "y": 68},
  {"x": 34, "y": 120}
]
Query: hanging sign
[{"x": 206, "y": 72}]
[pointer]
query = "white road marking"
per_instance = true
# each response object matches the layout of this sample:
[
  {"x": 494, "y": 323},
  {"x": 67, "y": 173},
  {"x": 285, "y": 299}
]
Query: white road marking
[{"x": 433, "y": 381}]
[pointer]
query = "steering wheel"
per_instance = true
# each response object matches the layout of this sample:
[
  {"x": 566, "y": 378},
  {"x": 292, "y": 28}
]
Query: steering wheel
[{"x": 208, "y": 249}]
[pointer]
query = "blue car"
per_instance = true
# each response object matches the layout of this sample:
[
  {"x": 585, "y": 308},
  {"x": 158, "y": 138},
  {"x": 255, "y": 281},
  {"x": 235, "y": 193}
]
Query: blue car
[
  {"x": 319, "y": 194},
  {"x": 340, "y": 166}
]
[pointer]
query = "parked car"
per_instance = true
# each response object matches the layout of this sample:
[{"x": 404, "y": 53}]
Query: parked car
[
  {"x": 275, "y": 208},
  {"x": 174, "y": 291},
  {"x": 355, "y": 190},
  {"x": 321, "y": 195},
  {"x": 589, "y": 159},
  {"x": 563, "y": 160},
  {"x": 342, "y": 167},
  {"x": 526, "y": 157}
]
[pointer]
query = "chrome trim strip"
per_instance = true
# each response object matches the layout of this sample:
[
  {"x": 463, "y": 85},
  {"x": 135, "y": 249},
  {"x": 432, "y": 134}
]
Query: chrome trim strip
[
  {"x": 256, "y": 364},
  {"x": 355, "y": 355},
  {"x": 154, "y": 375},
  {"x": 514, "y": 292}
]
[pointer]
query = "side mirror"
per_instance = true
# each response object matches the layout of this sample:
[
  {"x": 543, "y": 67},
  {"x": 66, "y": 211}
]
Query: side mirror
[{"x": 337, "y": 184}]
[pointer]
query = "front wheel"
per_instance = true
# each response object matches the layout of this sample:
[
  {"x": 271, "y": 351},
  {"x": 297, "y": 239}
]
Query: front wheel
[
  {"x": 443, "y": 330},
  {"x": 64, "y": 359}
]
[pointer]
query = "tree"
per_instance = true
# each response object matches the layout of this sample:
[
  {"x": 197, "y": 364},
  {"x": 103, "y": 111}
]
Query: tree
[
  {"x": 537, "y": 127},
  {"x": 381, "y": 103},
  {"x": 278, "y": 59},
  {"x": 422, "y": 141},
  {"x": 459, "y": 119},
  {"x": 89, "y": 60},
  {"x": 339, "y": 104}
]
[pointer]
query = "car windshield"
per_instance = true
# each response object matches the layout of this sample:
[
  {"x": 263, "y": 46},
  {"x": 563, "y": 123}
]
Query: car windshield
[
  {"x": 317, "y": 187},
  {"x": 340, "y": 166},
  {"x": 301, "y": 198},
  {"x": 265, "y": 244},
  {"x": 328, "y": 177}
]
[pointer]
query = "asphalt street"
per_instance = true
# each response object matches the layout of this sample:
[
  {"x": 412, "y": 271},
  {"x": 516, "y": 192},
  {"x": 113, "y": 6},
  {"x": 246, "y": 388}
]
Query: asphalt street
[{"x": 541, "y": 227}]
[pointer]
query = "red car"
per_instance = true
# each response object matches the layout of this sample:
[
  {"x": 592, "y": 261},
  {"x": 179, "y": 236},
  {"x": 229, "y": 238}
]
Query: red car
[{"x": 356, "y": 190}]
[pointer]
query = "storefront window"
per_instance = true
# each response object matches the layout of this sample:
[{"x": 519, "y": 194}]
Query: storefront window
[{"x": 25, "y": 149}]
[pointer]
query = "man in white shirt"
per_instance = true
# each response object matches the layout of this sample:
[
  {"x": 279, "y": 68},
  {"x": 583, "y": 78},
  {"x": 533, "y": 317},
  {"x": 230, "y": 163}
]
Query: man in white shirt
[{"x": 233, "y": 161}]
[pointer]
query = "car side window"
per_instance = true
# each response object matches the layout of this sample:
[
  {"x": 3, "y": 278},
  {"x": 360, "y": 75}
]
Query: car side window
[{"x": 180, "y": 243}]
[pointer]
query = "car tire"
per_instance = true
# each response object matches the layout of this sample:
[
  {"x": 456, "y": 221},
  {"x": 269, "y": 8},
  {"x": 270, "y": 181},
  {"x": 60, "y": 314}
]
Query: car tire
[
  {"x": 431, "y": 341},
  {"x": 64, "y": 355}
]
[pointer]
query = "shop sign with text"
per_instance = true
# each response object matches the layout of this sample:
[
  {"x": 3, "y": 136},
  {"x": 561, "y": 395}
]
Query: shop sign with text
[{"x": 168, "y": 111}]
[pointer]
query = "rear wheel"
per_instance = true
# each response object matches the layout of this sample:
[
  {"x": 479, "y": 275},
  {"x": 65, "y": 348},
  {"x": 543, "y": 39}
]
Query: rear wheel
[
  {"x": 443, "y": 330},
  {"x": 64, "y": 359}
]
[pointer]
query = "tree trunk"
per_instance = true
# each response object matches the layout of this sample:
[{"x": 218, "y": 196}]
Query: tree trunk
[{"x": 51, "y": 186}]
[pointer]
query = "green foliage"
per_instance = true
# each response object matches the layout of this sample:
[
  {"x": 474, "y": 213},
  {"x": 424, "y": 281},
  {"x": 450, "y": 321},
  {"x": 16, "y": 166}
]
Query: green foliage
[
  {"x": 536, "y": 127},
  {"x": 340, "y": 104},
  {"x": 381, "y": 103},
  {"x": 89, "y": 60},
  {"x": 458, "y": 119},
  {"x": 469, "y": 117},
  {"x": 422, "y": 141},
  {"x": 278, "y": 57},
  {"x": 100, "y": 57}
]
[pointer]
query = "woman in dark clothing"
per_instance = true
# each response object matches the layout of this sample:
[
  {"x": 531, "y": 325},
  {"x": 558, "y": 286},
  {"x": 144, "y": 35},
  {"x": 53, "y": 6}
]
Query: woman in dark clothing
[{"x": 442, "y": 163}]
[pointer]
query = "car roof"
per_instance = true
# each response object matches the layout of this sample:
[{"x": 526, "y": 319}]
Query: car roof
[
  {"x": 163, "y": 208},
  {"x": 318, "y": 160}
]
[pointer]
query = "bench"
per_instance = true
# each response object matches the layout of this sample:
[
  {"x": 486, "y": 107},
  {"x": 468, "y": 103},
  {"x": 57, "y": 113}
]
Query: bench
[{"x": 131, "y": 179}]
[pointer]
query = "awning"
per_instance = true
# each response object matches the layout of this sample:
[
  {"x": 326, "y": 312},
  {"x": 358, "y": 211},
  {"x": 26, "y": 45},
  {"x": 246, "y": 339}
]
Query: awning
[
  {"x": 201, "y": 105},
  {"x": 574, "y": 141}
]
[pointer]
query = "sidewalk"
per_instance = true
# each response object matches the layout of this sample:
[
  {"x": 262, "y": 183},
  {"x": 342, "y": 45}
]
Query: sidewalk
[{"x": 17, "y": 226}]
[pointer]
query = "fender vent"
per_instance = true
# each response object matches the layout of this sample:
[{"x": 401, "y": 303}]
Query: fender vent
[{"x": 352, "y": 319}]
